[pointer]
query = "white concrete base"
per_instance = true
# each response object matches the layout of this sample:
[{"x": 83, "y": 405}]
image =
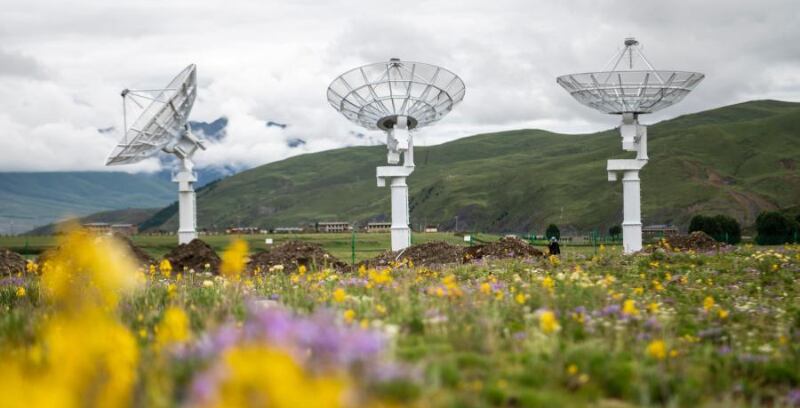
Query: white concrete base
[
  {"x": 396, "y": 178},
  {"x": 187, "y": 207},
  {"x": 631, "y": 201}
]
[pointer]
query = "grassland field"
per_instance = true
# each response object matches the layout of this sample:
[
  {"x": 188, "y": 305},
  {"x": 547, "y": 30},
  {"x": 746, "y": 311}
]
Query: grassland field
[{"x": 340, "y": 245}]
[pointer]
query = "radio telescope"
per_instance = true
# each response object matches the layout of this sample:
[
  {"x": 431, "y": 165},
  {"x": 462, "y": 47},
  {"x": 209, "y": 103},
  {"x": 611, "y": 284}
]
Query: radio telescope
[
  {"x": 162, "y": 126},
  {"x": 631, "y": 87},
  {"x": 396, "y": 97}
]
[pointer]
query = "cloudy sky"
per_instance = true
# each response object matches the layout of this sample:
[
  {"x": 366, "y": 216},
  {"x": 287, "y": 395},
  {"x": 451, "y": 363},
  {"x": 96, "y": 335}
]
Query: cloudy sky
[{"x": 64, "y": 62}]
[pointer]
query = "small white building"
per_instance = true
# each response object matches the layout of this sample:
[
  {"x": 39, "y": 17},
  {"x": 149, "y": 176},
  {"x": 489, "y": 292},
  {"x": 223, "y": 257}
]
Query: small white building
[
  {"x": 336, "y": 226},
  {"x": 379, "y": 227}
]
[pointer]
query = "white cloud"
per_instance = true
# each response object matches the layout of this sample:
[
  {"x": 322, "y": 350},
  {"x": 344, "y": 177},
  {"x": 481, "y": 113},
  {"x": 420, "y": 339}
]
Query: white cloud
[{"x": 61, "y": 68}]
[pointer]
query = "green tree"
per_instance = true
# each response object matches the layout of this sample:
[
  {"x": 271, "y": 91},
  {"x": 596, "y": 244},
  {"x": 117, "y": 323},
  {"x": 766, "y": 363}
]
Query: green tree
[
  {"x": 720, "y": 227},
  {"x": 730, "y": 230},
  {"x": 615, "y": 231},
  {"x": 773, "y": 228},
  {"x": 553, "y": 231}
]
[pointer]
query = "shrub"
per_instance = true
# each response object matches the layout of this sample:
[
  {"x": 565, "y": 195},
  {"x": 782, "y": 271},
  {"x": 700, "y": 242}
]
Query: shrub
[
  {"x": 774, "y": 228},
  {"x": 720, "y": 227},
  {"x": 615, "y": 231},
  {"x": 553, "y": 231}
]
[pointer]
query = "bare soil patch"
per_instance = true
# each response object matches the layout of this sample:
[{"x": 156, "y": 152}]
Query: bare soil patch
[
  {"x": 194, "y": 255},
  {"x": 292, "y": 254},
  {"x": 508, "y": 247},
  {"x": 696, "y": 241},
  {"x": 11, "y": 263},
  {"x": 429, "y": 253}
]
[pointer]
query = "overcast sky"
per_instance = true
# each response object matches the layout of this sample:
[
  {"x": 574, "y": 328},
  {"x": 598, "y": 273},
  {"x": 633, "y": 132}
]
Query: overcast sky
[{"x": 64, "y": 62}]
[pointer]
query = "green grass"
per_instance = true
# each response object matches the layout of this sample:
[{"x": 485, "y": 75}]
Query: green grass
[
  {"x": 666, "y": 329},
  {"x": 368, "y": 245}
]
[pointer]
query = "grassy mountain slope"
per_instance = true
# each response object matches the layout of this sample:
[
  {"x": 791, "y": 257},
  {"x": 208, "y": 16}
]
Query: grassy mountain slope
[
  {"x": 29, "y": 200},
  {"x": 737, "y": 160}
]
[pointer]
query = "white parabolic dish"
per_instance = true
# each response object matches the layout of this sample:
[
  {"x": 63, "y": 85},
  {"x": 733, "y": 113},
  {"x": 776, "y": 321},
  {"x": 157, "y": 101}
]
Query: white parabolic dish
[
  {"x": 162, "y": 122},
  {"x": 374, "y": 95},
  {"x": 631, "y": 90}
]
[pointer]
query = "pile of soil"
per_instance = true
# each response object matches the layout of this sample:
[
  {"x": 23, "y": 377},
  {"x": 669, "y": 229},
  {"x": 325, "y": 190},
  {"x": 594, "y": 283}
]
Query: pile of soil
[
  {"x": 429, "y": 253},
  {"x": 291, "y": 254},
  {"x": 141, "y": 257},
  {"x": 194, "y": 255},
  {"x": 508, "y": 247},
  {"x": 11, "y": 263},
  {"x": 696, "y": 241}
]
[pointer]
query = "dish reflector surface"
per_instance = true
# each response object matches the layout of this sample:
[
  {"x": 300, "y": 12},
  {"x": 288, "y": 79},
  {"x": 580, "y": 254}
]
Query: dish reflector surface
[
  {"x": 374, "y": 95},
  {"x": 162, "y": 121},
  {"x": 632, "y": 90}
]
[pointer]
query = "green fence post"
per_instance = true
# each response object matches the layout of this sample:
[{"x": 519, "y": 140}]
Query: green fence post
[{"x": 353, "y": 248}]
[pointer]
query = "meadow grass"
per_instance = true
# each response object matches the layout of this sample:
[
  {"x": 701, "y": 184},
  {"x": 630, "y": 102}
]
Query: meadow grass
[{"x": 661, "y": 329}]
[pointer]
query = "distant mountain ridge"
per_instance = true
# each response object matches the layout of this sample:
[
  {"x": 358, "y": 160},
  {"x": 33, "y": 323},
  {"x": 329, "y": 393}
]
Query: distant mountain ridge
[
  {"x": 28, "y": 200},
  {"x": 737, "y": 160}
]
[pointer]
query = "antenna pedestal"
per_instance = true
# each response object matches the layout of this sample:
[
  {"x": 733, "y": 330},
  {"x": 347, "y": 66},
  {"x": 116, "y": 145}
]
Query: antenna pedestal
[
  {"x": 395, "y": 177},
  {"x": 634, "y": 138},
  {"x": 187, "y": 207}
]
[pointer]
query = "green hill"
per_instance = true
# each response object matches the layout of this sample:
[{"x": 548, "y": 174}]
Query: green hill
[
  {"x": 736, "y": 160},
  {"x": 29, "y": 200}
]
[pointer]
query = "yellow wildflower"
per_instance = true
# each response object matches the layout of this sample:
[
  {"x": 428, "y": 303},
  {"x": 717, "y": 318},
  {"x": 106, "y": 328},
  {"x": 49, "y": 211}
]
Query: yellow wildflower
[
  {"x": 234, "y": 260},
  {"x": 349, "y": 315},
  {"x": 708, "y": 303},
  {"x": 302, "y": 269},
  {"x": 548, "y": 323},
  {"x": 652, "y": 307},
  {"x": 165, "y": 267},
  {"x": 629, "y": 308},
  {"x": 520, "y": 298},
  {"x": 339, "y": 295},
  {"x": 723, "y": 314},
  {"x": 657, "y": 350},
  {"x": 549, "y": 284},
  {"x": 486, "y": 288},
  {"x": 267, "y": 377},
  {"x": 572, "y": 369},
  {"x": 21, "y": 291},
  {"x": 173, "y": 328}
]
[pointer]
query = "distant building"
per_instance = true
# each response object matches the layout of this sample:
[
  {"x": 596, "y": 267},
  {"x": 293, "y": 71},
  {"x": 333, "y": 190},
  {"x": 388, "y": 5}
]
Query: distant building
[
  {"x": 288, "y": 230},
  {"x": 379, "y": 227},
  {"x": 100, "y": 228},
  {"x": 334, "y": 227},
  {"x": 124, "y": 229},
  {"x": 431, "y": 228},
  {"x": 242, "y": 230},
  {"x": 658, "y": 231}
]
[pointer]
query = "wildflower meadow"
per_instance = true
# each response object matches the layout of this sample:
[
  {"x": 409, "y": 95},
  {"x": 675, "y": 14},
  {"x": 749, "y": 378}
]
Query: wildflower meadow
[{"x": 87, "y": 327}]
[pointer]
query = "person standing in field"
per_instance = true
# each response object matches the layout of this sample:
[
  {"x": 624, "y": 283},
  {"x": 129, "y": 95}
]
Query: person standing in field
[{"x": 554, "y": 248}]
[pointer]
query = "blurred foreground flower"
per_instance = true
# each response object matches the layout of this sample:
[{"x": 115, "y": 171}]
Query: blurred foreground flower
[{"x": 234, "y": 260}]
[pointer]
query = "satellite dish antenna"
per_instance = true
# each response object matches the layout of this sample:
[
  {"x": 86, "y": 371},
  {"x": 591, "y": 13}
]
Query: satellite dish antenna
[
  {"x": 631, "y": 87},
  {"x": 396, "y": 97},
  {"x": 162, "y": 126}
]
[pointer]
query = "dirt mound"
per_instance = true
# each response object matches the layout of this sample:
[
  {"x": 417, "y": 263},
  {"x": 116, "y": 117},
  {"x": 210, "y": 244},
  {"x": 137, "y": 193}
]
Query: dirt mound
[
  {"x": 291, "y": 254},
  {"x": 11, "y": 263},
  {"x": 194, "y": 255},
  {"x": 508, "y": 247},
  {"x": 429, "y": 253},
  {"x": 696, "y": 241},
  {"x": 139, "y": 255}
]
